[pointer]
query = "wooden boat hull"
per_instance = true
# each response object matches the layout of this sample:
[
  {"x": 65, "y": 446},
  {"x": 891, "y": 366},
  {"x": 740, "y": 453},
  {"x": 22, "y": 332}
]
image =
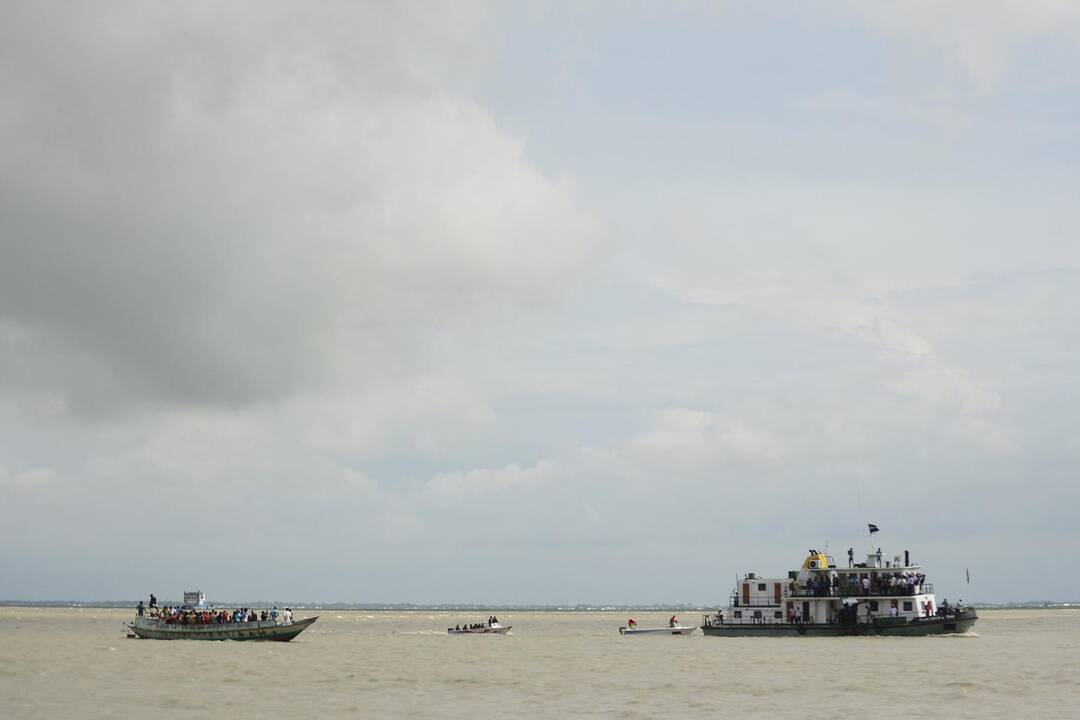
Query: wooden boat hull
[
  {"x": 149, "y": 629},
  {"x": 951, "y": 625},
  {"x": 678, "y": 630}
]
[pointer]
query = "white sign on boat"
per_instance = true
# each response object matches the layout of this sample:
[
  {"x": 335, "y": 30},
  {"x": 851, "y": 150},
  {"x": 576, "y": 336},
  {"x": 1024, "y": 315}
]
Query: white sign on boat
[{"x": 195, "y": 598}]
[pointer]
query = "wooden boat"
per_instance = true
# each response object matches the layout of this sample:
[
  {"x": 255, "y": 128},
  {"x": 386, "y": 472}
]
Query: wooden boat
[
  {"x": 492, "y": 629},
  {"x": 681, "y": 630},
  {"x": 155, "y": 629}
]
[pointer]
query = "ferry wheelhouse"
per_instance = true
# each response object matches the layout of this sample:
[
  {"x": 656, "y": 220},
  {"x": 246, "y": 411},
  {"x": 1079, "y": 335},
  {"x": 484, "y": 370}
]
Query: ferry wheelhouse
[{"x": 882, "y": 596}]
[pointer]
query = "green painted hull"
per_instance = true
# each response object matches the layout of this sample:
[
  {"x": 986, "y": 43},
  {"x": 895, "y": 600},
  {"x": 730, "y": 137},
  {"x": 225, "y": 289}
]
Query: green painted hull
[
  {"x": 269, "y": 630},
  {"x": 953, "y": 624}
]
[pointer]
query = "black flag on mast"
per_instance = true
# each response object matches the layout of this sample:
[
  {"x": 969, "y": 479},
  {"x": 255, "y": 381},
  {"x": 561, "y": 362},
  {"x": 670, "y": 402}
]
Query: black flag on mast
[{"x": 873, "y": 528}]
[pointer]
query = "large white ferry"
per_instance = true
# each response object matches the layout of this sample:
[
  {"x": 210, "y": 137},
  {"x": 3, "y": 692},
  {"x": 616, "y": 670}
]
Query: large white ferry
[{"x": 882, "y": 596}]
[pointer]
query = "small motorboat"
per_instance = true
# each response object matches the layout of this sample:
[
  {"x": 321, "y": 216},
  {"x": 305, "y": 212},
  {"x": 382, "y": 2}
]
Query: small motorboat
[
  {"x": 484, "y": 629},
  {"x": 683, "y": 630}
]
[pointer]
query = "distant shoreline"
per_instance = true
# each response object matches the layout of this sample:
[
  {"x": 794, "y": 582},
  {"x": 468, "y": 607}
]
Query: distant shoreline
[{"x": 465, "y": 607}]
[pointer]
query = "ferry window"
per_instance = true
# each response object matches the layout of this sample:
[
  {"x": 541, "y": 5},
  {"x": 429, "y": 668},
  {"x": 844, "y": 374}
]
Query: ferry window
[
  {"x": 757, "y": 613},
  {"x": 761, "y": 587},
  {"x": 907, "y": 605},
  {"x": 738, "y": 614},
  {"x": 873, "y": 605},
  {"x": 777, "y": 614}
]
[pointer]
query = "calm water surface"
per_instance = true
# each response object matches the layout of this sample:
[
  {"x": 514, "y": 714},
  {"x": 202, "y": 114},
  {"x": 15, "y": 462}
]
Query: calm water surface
[{"x": 66, "y": 663}]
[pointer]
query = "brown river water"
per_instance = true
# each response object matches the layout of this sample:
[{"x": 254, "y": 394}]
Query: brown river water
[{"x": 78, "y": 663}]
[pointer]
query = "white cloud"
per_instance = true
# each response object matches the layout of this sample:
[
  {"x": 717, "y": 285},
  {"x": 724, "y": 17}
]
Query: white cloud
[
  {"x": 680, "y": 436},
  {"x": 487, "y": 481},
  {"x": 420, "y": 413},
  {"x": 27, "y": 478},
  {"x": 979, "y": 35}
]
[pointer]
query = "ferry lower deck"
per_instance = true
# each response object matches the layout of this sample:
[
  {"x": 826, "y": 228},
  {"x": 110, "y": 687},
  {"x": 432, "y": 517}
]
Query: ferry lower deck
[{"x": 960, "y": 622}]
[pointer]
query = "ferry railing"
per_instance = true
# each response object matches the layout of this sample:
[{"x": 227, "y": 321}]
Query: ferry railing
[
  {"x": 755, "y": 603},
  {"x": 712, "y": 621}
]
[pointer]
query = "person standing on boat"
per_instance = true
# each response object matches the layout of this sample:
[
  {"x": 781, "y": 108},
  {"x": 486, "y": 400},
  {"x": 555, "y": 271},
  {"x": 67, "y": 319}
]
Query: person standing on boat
[
  {"x": 153, "y": 601},
  {"x": 673, "y": 621},
  {"x": 140, "y": 608},
  {"x": 631, "y": 623},
  {"x": 851, "y": 557}
]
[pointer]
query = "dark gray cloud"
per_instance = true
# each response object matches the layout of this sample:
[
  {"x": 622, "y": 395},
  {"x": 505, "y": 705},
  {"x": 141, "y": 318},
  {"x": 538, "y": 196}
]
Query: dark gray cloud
[{"x": 233, "y": 204}]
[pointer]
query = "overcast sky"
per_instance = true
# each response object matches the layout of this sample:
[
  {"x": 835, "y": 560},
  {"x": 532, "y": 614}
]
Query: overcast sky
[{"x": 536, "y": 303}]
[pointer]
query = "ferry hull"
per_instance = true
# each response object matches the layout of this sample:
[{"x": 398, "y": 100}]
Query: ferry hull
[
  {"x": 951, "y": 625},
  {"x": 257, "y": 631}
]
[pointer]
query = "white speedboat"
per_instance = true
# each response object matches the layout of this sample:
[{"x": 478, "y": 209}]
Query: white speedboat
[
  {"x": 670, "y": 630},
  {"x": 485, "y": 629}
]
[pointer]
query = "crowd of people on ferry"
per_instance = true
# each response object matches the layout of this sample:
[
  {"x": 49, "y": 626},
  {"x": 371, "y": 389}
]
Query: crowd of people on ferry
[
  {"x": 181, "y": 615},
  {"x": 834, "y": 584}
]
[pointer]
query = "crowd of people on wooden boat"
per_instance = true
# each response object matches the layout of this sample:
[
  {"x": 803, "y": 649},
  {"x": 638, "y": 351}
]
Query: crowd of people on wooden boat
[
  {"x": 183, "y": 615},
  {"x": 477, "y": 626}
]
